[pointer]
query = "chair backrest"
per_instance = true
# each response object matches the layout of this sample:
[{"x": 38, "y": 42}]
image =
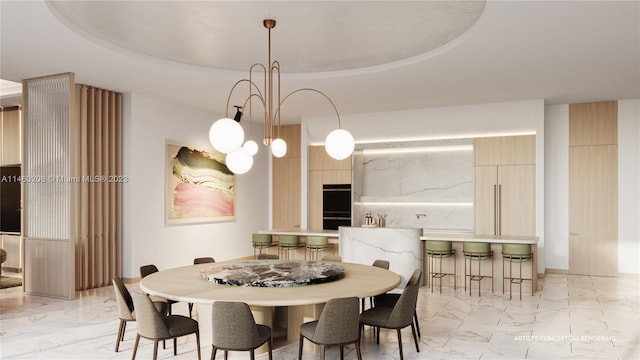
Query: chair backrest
[
  {"x": 331, "y": 258},
  {"x": 402, "y": 313},
  {"x": 203, "y": 260},
  {"x": 234, "y": 326},
  {"x": 415, "y": 277},
  {"x": 123, "y": 300},
  {"x": 150, "y": 323},
  {"x": 147, "y": 270},
  {"x": 268, "y": 257},
  {"x": 339, "y": 322},
  {"x": 381, "y": 264}
]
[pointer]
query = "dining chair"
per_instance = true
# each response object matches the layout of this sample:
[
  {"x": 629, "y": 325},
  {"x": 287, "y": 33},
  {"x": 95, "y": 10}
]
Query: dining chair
[
  {"x": 398, "y": 317},
  {"x": 198, "y": 261},
  {"x": 126, "y": 309},
  {"x": 390, "y": 299},
  {"x": 235, "y": 329},
  {"x": 153, "y": 326},
  {"x": 338, "y": 325},
  {"x": 146, "y": 270},
  {"x": 384, "y": 264}
]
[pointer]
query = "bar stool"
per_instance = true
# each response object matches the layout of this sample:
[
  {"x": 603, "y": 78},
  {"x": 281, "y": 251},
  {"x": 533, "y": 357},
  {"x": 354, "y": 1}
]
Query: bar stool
[
  {"x": 517, "y": 253},
  {"x": 316, "y": 244},
  {"x": 261, "y": 241},
  {"x": 475, "y": 251},
  {"x": 287, "y": 243},
  {"x": 437, "y": 250}
]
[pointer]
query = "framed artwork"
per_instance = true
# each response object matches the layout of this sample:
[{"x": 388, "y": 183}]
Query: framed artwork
[{"x": 200, "y": 187}]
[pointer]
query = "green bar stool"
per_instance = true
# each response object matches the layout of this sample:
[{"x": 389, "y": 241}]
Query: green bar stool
[
  {"x": 316, "y": 244},
  {"x": 287, "y": 243},
  {"x": 516, "y": 253},
  {"x": 261, "y": 241},
  {"x": 476, "y": 251},
  {"x": 436, "y": 251}
]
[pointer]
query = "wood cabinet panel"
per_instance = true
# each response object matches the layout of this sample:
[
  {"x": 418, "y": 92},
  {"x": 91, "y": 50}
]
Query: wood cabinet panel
[
  {"x": 320, "y": 160},
  {"x": 505, "y": 150},
  {"x": 593, "y": 210},
  {"x": 11, "y": 135},
  {"x": 286, "y": 192},
  {"x": 336, "y": 177},
  {"x": 593, "y": 123},
  {"x": 517, "y": 200},
  {"x": 486, "y": 183},
  {"x": 314, "y": 220}
]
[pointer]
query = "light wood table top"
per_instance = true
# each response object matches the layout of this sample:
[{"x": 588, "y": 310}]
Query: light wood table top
[{"x": 187, "y": 285}]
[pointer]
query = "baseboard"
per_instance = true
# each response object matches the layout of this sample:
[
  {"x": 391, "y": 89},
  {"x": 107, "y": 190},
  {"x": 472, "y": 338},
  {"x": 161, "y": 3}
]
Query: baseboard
[
  {"x": 628, "y": 276},
  {"x": 556, "y": 271}
]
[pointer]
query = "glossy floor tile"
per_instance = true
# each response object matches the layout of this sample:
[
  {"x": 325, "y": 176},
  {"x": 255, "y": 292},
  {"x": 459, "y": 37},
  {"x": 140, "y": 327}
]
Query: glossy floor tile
[{"x": 571, "y": 317}]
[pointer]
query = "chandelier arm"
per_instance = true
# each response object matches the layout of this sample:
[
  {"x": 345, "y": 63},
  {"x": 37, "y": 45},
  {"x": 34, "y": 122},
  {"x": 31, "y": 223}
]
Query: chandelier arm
[
  {"x": 316, "y": 91},
  {"x": 275, "y": 65},
  {"x": 251, "y": 84},
  {"x": 262, "y": 97}
]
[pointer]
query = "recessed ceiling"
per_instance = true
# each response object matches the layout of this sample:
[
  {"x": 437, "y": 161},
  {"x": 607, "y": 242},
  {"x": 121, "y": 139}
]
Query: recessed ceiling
[{"x": 310, "y": 36}]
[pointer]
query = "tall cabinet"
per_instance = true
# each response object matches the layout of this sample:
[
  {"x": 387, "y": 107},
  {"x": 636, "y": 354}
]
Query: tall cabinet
[
  {"x": 286, "y": 181},
  {"x": 593, "y": 188},
  {"x": 323, "y": 170},
  {"x": 505, "y": 186}
]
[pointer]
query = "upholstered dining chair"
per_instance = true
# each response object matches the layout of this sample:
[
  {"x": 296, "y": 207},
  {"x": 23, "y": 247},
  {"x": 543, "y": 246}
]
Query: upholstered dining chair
[
  {"x": 198, "y": 261},
  {"x": 235, "y": 329},
  {"x": 268, "y": 257},
  {"x": 126, "y": 310},
  {"x": 381, "y": 264},
  {"x": 338, "y": 325},
  {"x": 146, "y": 270},
  {"x": 390, "y": 299},
  {"x": 153, "y": 326},
  {"x": 398, "y": 317}
]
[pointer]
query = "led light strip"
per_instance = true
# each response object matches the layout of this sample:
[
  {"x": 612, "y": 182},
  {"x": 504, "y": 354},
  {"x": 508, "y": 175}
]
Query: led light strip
[{"x": 425, "y": 149}]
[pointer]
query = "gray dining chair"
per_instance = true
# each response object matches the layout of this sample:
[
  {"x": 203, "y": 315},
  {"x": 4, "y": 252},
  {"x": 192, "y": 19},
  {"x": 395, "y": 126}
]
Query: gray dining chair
[
  {"x": 235, "y": 329},
  {"x": 384, "y": 264},
  {"x": 153, "y": 326},
  {"x": 198, "y": 261},
  {"x": 398, "y": 317},
  {"x": 338, "y": 325},
  {"x": 146, "y": 270},
  {"x": 390, "y": 299},
  {"x": 126, "y": 309}
]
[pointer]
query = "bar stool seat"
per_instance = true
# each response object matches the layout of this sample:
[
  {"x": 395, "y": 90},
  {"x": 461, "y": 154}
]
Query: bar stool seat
[
  {"x": 316, "y": 244},
  {"x": 516, "y": 253},
  {"x": 261, "y": 241},
  {"x": 287, "y": 243},
  {"x": 476, "y": 251},
  {"x": 438, "y": 250}
]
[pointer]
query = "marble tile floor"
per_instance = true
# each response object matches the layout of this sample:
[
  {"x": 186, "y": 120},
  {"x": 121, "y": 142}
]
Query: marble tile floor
[{"x": 572, "y": 317}]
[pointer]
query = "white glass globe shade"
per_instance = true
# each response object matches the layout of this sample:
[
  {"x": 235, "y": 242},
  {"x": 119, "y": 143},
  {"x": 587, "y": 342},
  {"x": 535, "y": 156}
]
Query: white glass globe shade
[
  {"x": 226, "y": 135},
  {"x": 278, "y": 148},
  {"x": 239, "y": 161},
  {"x": 339, "y": 144},
  {"x": 251, "y": 147}
]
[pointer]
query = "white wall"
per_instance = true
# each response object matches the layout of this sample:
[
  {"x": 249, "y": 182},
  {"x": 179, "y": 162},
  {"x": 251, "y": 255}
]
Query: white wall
[
  {"x": 147, "y": 124},
  {"x": 557, "y": 186}
]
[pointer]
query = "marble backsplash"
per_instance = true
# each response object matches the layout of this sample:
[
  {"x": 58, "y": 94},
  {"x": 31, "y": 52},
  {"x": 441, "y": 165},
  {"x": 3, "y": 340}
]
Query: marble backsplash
[{"x": 431, "y": 188}]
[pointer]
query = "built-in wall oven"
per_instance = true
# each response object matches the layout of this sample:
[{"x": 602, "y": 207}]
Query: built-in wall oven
[{"x": 336, "y": 206}]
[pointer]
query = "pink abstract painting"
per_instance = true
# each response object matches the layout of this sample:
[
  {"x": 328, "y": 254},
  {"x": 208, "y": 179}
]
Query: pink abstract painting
[{"x": 200, "y": 187}]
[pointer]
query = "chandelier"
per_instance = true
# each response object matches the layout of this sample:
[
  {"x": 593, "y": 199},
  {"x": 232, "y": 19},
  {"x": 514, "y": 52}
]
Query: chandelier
[{"x": 227, "y": 135}]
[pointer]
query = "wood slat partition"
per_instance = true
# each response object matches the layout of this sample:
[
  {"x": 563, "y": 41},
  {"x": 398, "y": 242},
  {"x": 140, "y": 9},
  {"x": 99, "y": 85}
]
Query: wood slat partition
[{"x": 99, "y": 245}]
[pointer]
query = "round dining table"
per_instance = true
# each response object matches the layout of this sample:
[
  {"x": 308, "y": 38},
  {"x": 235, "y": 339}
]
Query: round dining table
[{"x": 302, "y": 303}]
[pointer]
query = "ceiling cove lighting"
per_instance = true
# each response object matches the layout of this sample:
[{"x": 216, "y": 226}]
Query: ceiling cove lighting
[
  {"x": 424, "y": 149},
  {"x": 227, "y": 136}
]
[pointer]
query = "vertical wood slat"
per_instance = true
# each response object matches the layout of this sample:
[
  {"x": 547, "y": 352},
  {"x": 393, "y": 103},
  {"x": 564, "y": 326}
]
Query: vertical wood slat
[{"x": 100, "y": 202}]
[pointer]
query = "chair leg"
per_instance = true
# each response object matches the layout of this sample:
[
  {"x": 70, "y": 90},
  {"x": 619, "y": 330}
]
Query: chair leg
[
  {"x": 213, "y": 352},
  {"x": 198, "y": 343},
  {"x": 175, "y": 346},
  {"x": 226, "y": 355},
  {"x": 270, "y": 347},
  {"x": 135, "y": 347},
  {"x": 415, "y": 317},
  {"x": 400, "y": 343},
  {"x": 358, "y": 350},
  {"x": 341, "y": 352},
  {"x": 252, "y": 355},
  {"x": 155, "y": 349},
  {"x": 190, "y": 309},
  {"x": 415, "y": 338},
  {"x": 121, "y": 329},
  {"x": 376, "y": 331},
  {"x": 323, "y": 349},
  {"x": 300, "y": 347}
]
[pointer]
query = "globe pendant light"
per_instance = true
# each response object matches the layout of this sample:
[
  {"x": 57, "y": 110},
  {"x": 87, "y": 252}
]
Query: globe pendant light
[
  {"x": 226, "y": 135},
  {"x": 239, "y": 161},
  {"x": 339, "y": 144}
]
